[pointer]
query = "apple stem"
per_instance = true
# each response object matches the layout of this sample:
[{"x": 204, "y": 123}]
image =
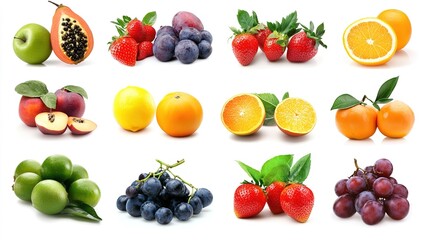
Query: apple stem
[
  {"x": 19, "y": 39},
  {"x": 54, "y": 3}
]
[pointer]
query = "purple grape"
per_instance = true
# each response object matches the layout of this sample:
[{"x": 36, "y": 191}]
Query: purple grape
[
  {"x": 400, "y": 190},
  {"x": 382, "y": 187},
  {"x": 397, "y": 207},
  {"x": 370, "y": 178},
  {"x": 372, "y": 212},
  {"x": 383, "y": 167},
  {"x": 344, "y": 206},
  {"x": 362, "y": 198},
  {"x": 341, "y": 187},
  {"x": 369, "y": 169},
  {"x": 356, "y": 184}
]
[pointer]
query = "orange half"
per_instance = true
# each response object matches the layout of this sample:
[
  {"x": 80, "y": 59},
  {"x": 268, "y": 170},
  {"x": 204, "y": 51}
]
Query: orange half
[
  {"x": 370, "y": 41},
  {"x": 295, "y": 116},
  {"x": 243, "y": 114}
]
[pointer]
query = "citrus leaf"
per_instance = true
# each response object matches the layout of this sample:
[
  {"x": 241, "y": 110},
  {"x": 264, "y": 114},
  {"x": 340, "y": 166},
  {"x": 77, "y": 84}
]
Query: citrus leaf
[
  {"x": 32, "y": 88},
  {"x": 286, "y": 95},
  {"x": 384, "y": 100},
  {"x": 82, "y": 210},
  {"x": 253, "y": 173},
  {"x": 76, "y": 89},
  {"x": 270, "y": 102},
  {"x": 345, "y": 101},
  {"x": 299, "y": 171},
  {"x": 276, "y": 169},
  {"x": 387, "y": 88},
  {"x": 50, "y": 100},
  {"x": 149, "y": 18}
]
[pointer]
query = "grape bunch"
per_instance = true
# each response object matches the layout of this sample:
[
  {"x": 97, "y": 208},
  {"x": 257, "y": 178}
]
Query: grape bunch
[
  {"x": 372, "y": 192},
  {"x": 162, "y": 195}
]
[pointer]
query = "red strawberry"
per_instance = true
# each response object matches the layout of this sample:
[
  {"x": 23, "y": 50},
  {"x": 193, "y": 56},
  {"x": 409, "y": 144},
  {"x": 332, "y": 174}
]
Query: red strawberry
[
  {"x": 303, "y": 46},
  {"x": 135, "y": 30},
  {"x": 145, "y": 49},
  {"x": 273, "y": 196},
  {"x": 249, "y": 200},
  {"x": 275, "y": 43},
  {"x": 273, "y": 49},
  {"x": 124, "y": 50},
  {"x": 297, "y": 201},
  {"x": 148, "y": 31},
  {"x": 245, "y": 47},
  {"x": 262, "y": 36}
]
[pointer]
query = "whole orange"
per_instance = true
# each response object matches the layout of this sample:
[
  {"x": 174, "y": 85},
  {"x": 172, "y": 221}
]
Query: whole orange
[
  {"x": 179, "y": 114},
  {"x": 400, "y": 23},
  {"x": 395, "y": 119},
  {"x": 358, "y": 122}
]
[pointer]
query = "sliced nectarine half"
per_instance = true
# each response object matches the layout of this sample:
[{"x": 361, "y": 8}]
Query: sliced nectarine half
[
  {"x": 243, "y": 114},
  {"x": 51, "y": 123},
  {"x": 295, "y": 116},
  {"x": 80, "y": 126}
]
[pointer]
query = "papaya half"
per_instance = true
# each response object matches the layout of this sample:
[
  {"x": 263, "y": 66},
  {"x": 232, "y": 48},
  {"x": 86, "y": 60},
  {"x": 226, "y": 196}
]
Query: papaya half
[{"x": 71, "y": 38}]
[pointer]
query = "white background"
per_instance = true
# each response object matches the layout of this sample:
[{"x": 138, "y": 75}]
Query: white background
[{"x": 114, "y": 157}]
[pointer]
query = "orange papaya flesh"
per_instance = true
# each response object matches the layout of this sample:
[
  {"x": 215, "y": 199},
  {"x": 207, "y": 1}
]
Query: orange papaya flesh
[{"x": 71, "y": 38}]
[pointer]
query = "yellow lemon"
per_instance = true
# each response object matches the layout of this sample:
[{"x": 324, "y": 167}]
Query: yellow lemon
[{"x": 134, "y": 108}]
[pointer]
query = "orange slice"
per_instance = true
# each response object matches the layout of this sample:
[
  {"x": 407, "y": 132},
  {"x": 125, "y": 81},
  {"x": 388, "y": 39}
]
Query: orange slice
[
  {"x": 243, "y": 114},
  {"x": 370, "y": 41},
  {"x": 295, "y": 116}
]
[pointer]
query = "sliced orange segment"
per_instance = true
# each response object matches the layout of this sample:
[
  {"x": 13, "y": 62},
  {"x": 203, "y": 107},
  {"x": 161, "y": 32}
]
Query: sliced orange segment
[
  {"x": 243, "y": 114},
  {"x": 370, "y": 41},
  {"x": 295, "y": 116}
]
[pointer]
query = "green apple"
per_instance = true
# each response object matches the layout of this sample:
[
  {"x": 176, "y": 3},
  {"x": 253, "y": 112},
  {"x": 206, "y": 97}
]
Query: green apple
[{"x": 32, "y": 43}]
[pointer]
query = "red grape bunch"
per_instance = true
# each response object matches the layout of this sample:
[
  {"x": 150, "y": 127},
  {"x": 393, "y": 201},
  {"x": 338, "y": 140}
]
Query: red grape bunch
[{"x": 371, "y": 192}]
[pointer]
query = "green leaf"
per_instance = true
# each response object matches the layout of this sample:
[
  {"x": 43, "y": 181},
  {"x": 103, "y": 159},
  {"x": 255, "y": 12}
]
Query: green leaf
[
  {"x": 384, "y": 100},
  {"x": 300, "y": 170},
  {"x": 76, "y": 89},
  {"x": 253, "y": 173},
  {"x": 32, "y": 88},
  {"x": 276, "y": 169},
  {"x": 149, "y": 18},
  {"x": 345, "y": 101},
  {"x": 50, "y": 100},
  {"x": 286, "y": 95},
  {"x": 245, "y": 20},
  {"x": 82, "y": 210},
  {"x": 387, "y": 88},
  {"x": 270, "y": 102}
]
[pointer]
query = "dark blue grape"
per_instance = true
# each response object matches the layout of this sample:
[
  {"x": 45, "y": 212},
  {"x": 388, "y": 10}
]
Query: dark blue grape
[
  {"x": 148, "y": 210},
  {"x": 133, "y": 206},
  {"x": 190, "y": 33},
  {"x": 131, "y": 191},
  {"x": 143, "y": 176},
  {"x": 121, "y": 202},
  {"x": 175, "y": 187},
  {"x": 169, "y": 30},
  {"x": 183, "y": 211},
  {"x": 205, "y": 49},
  {"x": 163, "y": 47},
  {"x": 186, "y": 51},
  {"x": 206, "y": 35},
  {"x": 163, "y": 215},
  {"x": 205, "y": 195},
  {"x": 152, "y": 187},
  {"x": 197, "y": 204},
  {"x": 164, "y": 178}
]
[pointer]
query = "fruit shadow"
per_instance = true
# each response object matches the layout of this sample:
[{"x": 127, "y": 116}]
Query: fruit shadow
[
  {"x": 388, "y": 140},
  {"x": 292, "y": 139},
  {"x": 250, "y": 138},
  {"x": 367, "y": 141}
]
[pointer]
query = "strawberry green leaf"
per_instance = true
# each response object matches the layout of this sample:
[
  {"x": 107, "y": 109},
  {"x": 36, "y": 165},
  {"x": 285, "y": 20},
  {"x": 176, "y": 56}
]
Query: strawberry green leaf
[
  {"x": 82, "y": 210},
  {"x": 300, "y": 170},
  {"x": 286, "y": 95},
  {"x": 32, "y": 88},
  {"x": 386, "y": 89},
  {"x": 345, "y": 101},
  {"x": 253, "y": 173},
  {"x": 276, "y": 169},
  {"x": 76, "y": 89},
  {"x": 270, "y": 102},
  {"x": 246, "y": 21},
  {"x": 149, "y": 18},
  {"x": 50, "y": 100}
]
